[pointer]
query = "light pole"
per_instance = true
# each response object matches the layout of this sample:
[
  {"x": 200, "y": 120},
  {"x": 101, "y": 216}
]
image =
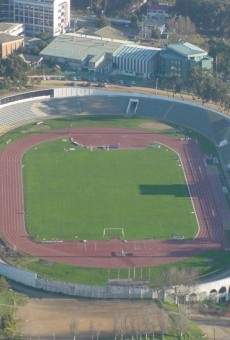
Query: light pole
[{"x": 156, "y": 86}]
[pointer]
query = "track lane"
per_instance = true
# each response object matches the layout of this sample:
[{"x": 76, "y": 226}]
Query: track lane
[{"x": 98, "y": 253}]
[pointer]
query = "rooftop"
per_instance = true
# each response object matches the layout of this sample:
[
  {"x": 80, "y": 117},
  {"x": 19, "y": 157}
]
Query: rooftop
[
  {"x": 71, "y": 46},
  {"x": 4, "y": 38},
  {"x": 187, "y": 49},
  {"x": 110, "y": 32},
  {"x": 136, "y": 51},
  {"x": 7, "y": 26}
]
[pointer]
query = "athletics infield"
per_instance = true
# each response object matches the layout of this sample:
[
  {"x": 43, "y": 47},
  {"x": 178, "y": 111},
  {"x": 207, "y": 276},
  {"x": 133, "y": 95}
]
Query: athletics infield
[{"x": 206, "y": 201}]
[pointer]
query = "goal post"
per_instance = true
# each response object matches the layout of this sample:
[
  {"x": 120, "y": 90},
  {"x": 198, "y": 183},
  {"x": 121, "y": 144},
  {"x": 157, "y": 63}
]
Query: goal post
[{"x": 110, "y": 233}]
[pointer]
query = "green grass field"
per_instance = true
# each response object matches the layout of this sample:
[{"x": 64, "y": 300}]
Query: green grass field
[
  {"x": 79, "y": 193},
  {"x": 206, "y": 264}
]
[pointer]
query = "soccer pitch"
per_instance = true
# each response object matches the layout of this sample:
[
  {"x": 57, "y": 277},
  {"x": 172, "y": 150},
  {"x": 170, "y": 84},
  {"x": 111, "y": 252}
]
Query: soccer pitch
[{"x": 76, "y": 194}]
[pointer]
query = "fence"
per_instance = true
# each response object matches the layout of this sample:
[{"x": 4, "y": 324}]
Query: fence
[{"x": 31, "y": 279}]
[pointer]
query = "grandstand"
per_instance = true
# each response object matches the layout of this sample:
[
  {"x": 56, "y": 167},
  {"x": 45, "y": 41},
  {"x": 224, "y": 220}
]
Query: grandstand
[
  {"x": 211, "y": 124},
  {"x": 12, "y": 116}
]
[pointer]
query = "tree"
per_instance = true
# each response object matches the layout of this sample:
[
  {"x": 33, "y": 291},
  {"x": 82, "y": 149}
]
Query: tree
[
  {"x": 175, "y": 282},
  {"x": 161, "y": 284},
  {"x": 134, "y": 20},
  {"x": 184, "y": 25},
  {"x": 182, "y": 281},
  {"x": 8, "y": 326},
  {"x": 14, "y": 70},
  {"x": 208, "y": 86},
  {"x": 156, "y": 34},
  {"x": 220, "y": 51},
  {"x": 181, "y": 322},
  {"x": 210, "y": 16},
  {"x": 103, "y": 21}
]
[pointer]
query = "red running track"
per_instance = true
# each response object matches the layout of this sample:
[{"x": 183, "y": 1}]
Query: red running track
[{"x": 98, "y": 253}]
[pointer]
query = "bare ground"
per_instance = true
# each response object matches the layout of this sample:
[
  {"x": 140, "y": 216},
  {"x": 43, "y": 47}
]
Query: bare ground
[
  {"x": 214, "y": 327},
  {"x": 59, "y": 318},
  {"x": 63, "y": 317}
]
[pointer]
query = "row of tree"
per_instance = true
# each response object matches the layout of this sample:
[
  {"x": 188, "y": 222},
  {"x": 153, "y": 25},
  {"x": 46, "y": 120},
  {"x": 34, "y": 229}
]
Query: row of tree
[
  {"x": 208, "y": 86},
  {"x": 219, "y": 49}
]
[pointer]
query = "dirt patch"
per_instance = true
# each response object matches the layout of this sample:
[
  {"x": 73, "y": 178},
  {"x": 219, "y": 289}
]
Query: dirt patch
[
  {"x": 44, "y": 317},
  {"x": 156, "y": 126},
  {"x": 217, "y": 328}
]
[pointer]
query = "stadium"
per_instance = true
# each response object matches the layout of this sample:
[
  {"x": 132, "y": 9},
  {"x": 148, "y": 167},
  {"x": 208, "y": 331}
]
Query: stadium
[{"x": 87, "y": 181}]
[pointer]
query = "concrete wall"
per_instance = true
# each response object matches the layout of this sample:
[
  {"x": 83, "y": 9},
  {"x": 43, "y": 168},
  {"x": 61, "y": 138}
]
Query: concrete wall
[
  {"x": 18, "y": 275},
  {"x": 102, "y": 292},
  {"x": 27, "y": 96},
  {"x": 31, "y": 279},
  {"x": 217, "y": 289}
]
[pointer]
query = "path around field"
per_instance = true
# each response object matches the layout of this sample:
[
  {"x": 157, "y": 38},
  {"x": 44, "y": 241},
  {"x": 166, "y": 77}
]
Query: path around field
[{"x": 99, "y": 253}]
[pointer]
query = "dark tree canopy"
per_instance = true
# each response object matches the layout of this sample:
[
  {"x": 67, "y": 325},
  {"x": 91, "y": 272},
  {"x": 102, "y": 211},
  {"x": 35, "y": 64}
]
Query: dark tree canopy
[
  {"x": 14, "y": 70},
  {"x": 210, "y": 16}
]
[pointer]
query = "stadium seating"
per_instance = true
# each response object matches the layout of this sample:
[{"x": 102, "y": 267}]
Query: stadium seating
[{"x": 210, "y": 124}]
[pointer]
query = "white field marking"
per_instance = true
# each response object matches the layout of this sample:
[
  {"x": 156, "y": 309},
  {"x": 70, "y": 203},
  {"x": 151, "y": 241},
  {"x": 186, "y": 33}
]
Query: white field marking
[{"x": 186, "y": 180}]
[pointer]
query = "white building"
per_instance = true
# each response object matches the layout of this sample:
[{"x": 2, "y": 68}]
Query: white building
[
  {"x": 135, "y": 60},
  {"x": 52, "y": 16}
]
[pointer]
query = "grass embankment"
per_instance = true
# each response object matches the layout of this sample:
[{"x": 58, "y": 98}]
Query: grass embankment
[{"x": 208, "y": 262}]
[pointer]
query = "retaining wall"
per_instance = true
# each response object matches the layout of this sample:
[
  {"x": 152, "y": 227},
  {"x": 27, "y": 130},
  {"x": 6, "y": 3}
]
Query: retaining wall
[{"x": 31, "y": 279}]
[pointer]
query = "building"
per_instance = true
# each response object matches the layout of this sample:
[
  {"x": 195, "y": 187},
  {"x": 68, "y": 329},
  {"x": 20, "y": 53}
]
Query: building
[
  {"x": 155, "y": 20},
  {"x": 149, "y": 26},
  {"x": 138, "y": 61},
  {"x": 51, "y": 16},
  {"x": 11, "y": 28},
  {"x": 102, "y": 55},
  {"x": 176, "y": 60},
  {"x": 158, "y": 11},
  {"x": 4, "y": 10},
  {"x": 81, "y": 53},
  {"x": 9, "y": 44}
]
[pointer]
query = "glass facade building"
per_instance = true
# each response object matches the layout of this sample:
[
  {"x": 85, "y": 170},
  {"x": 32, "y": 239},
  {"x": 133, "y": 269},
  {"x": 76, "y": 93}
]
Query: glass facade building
[{"x": 52, "y": 16}]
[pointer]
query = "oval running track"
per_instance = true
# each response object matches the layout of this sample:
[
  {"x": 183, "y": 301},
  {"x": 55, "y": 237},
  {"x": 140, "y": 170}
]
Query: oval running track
[{"x": 206, "y": 204}]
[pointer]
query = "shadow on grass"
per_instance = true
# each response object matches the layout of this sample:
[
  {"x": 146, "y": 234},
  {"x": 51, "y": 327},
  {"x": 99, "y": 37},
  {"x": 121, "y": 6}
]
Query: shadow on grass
[
  {"x": 177, "y": 190},
  {"x": 93, "y": 118}
]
